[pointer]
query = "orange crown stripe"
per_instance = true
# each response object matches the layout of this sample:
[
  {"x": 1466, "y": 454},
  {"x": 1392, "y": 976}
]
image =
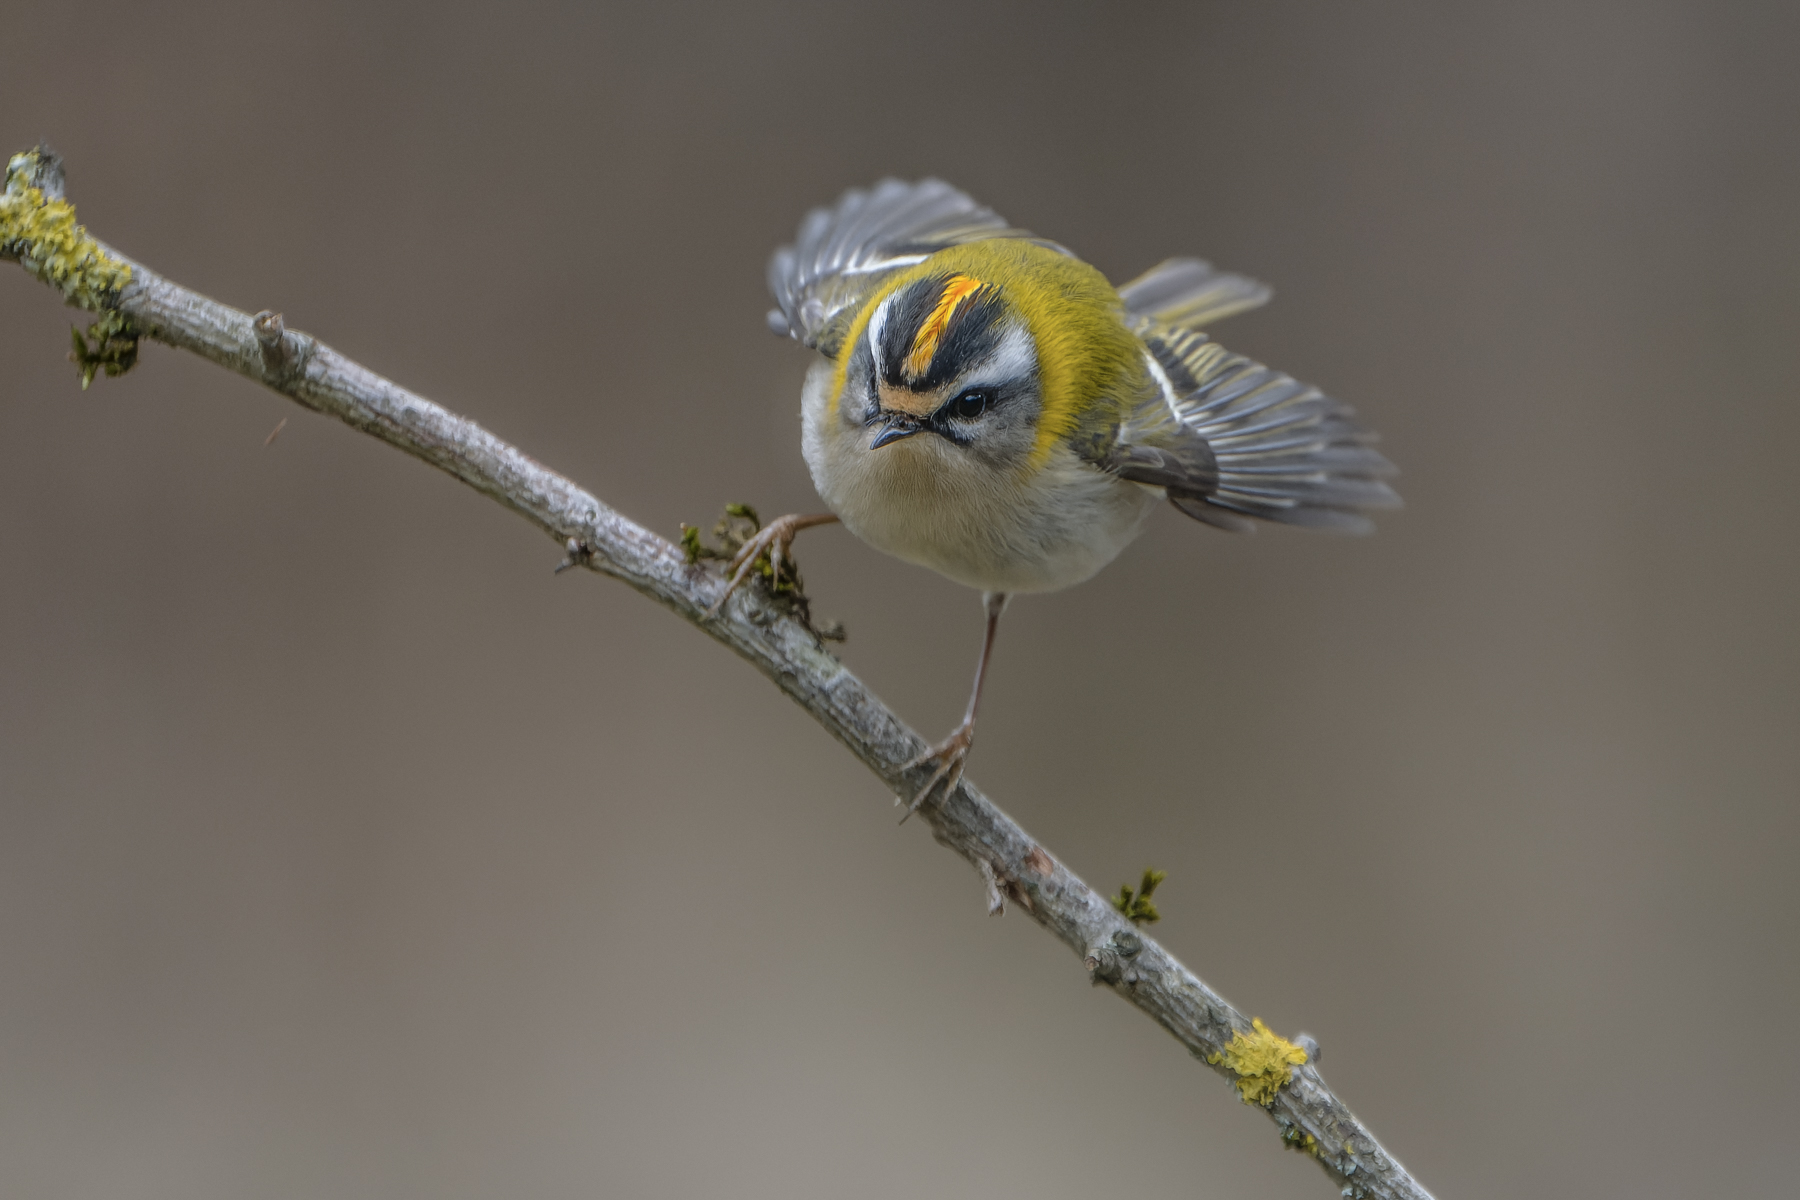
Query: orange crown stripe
[{"x": 924, "y": 348}]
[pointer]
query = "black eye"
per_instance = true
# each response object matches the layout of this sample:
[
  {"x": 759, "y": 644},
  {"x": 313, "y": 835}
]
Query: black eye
[{"x": 971, "y": 404}]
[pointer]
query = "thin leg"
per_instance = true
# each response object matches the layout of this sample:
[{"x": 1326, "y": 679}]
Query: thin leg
[
  {"x": 953, "y": 751},
  {"x": 777, "y": 537}
]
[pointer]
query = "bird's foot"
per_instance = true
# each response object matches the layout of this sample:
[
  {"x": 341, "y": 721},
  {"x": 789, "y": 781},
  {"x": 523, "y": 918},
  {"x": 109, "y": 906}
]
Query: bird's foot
[
  {"x": 776, "y": 538},
  {"x": 949, "y": 755}
]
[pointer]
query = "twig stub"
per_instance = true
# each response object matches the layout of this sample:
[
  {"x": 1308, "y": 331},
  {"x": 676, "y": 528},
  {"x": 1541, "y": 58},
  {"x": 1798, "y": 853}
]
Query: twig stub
[{"x": 283, "y": 354}]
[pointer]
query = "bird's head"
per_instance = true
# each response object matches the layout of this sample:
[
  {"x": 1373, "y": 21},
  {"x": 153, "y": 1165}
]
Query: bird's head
[
  {"x": 945, "y": 356},
  {"x": 993, "y": 352}
]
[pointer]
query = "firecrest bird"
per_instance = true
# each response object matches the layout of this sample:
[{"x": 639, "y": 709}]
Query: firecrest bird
[{"x": 989, "y": 406}]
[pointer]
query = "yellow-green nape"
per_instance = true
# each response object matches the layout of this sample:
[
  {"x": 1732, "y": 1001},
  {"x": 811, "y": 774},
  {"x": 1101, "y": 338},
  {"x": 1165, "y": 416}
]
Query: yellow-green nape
[
  {"x": 43, "y": 235},
  {"x": 1262, "y": 1060}
]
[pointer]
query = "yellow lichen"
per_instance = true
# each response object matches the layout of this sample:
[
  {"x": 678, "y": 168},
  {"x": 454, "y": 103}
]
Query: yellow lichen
[
  {"x": 1305, "y": 1143},
  {"x": 42, "y": 234},
  {"x": 1261, "y": 1059}
]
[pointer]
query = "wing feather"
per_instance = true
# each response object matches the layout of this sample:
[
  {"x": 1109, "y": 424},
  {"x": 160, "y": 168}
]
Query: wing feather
[
  {"x": 843, "y": 253},
  {"x": 1187, "y": 293},
  {"x": 1274, "y": 448}
]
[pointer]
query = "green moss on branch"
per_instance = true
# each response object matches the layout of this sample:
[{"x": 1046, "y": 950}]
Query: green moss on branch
[
  {"x": 1138, "y": 908},
  {"x": 114, "y": 349}
]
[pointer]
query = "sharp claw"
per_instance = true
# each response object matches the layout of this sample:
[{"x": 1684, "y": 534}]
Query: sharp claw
[
  {"x": 776, "y": 547},
  {"x": 777, "y": 539},
  {"x": 950, "y": 755},
  {"x": 739, "y": 566},
  {"x": 924, "y": 793},
  {"x": 956, "y": 776},
  {"x": 747, "y": 552},
  {"x": 720, "y": 602}
]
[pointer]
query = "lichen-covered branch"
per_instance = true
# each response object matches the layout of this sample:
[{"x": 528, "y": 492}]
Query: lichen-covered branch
[{"x": 38, "y": 229}]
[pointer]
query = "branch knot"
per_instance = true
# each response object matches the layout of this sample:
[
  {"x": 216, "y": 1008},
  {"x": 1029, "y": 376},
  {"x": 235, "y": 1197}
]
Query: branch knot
[
  {"x": 284, "y": 353},
  {"x": 1110, "y": 961},
  {"x": 580, "y": 554}
]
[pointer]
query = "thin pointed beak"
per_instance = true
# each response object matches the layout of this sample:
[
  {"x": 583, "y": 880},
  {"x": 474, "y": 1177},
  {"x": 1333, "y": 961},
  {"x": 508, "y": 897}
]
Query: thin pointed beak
[{"x": 893, "y": 431}]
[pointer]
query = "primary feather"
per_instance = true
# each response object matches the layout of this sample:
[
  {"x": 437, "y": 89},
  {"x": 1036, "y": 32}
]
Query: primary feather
[
  {"x": 1281, "y": 450},
  {"x": 1187, "y": 293}
]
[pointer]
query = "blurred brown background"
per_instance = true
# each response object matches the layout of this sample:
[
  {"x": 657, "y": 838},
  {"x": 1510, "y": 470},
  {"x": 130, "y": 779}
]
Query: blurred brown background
[{"x": 345, "y": 851}]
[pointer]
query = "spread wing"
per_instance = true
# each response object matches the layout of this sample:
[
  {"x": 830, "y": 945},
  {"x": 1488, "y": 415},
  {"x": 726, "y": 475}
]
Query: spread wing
[
  {"x": 843, "y": 253},
  {"x": 1231, "y": 439},
  {"x": 1186, "y": 293}
]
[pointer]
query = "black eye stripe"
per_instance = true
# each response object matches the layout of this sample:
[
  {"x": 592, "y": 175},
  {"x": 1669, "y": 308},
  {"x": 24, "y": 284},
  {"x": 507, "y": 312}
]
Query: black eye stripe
[{"x": 967, "y": 405}]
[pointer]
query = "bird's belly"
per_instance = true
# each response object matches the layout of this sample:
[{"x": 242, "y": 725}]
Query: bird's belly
[
  {"x": 1055, "y": 541},
  {"x": 930, "y": 502}
]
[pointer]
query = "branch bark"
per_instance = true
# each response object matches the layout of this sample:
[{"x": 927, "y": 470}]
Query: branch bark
[{"x": 1309, "y": 1116}]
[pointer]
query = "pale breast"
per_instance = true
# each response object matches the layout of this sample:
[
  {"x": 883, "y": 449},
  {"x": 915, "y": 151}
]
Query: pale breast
[{"x": 930, "y": 502}]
